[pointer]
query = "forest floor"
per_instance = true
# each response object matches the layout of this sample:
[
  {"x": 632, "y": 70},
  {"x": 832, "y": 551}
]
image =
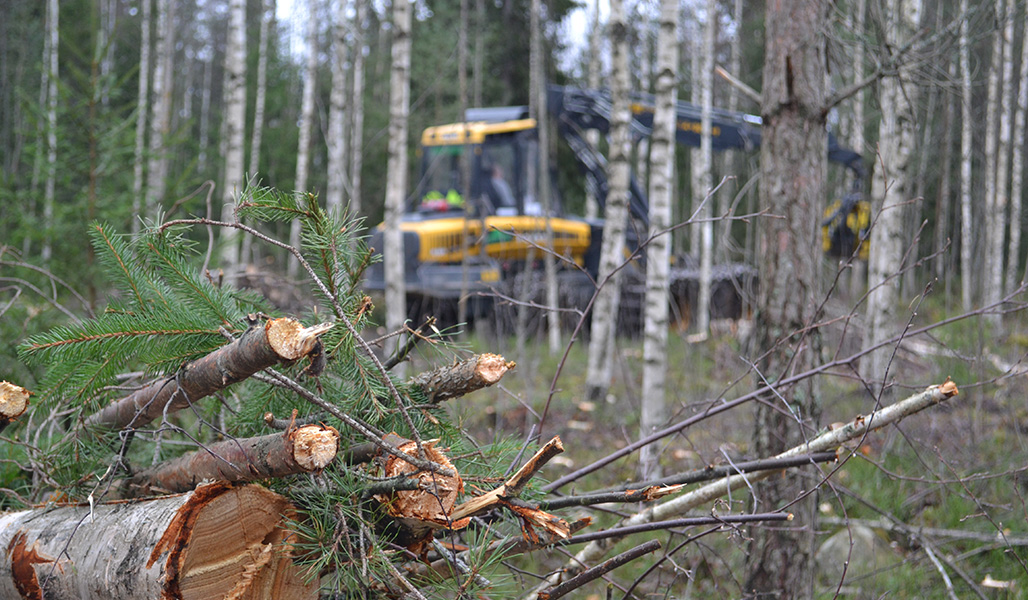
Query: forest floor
[{"x": 960, "y": 466}]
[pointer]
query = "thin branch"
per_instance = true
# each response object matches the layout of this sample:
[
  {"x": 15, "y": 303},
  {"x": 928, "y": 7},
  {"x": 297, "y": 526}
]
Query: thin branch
[
  {"x": 600, "y": 570},
  {"x": 739, "y": 84}
]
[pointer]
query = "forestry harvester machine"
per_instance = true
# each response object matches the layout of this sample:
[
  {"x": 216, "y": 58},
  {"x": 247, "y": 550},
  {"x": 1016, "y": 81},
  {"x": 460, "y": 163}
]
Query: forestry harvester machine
[{"x": 483, "y": 238}]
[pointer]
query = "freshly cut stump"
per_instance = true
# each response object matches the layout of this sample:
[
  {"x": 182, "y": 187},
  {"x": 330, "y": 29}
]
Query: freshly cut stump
[{"x": 217, "y": 542}]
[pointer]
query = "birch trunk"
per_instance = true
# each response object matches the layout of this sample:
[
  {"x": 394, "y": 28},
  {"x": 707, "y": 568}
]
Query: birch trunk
[
  {"x": 303, "y": 150},
  {"x": 396, "y": 169},
  {"x": 858, "y": 268},
  {"x": 1017, "y": 174},
  {"x": 267, "y": 15},
  {"x": 1006, "y": 112},
  {"x": 990, "y": 220},
  {"x": 892, "y": 192},
  {"x": 51, "y": 67},
  {"x": 592, "y": 137},
  {"x": 966, "y": 156},
  {"x": 338, "y": 114},
  {"x": 357, "y": 105},
  {"x": 217, "y": 542},
  {"x": 706, "y": 167},
  {"x": 234, "y": 127},
  {"x": 944, "y": 262},
  {"x": 793, "y": 156},
  {"x": 142, "y": 107},
  {"x": 658, "y": 253},
  {"x": 160, "y": 117},
  {"x": 605, "y": 309}
]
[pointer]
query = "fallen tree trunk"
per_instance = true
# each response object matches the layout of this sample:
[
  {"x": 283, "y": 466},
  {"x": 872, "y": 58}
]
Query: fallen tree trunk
[
  {"x": 462, "y": 378},
  {"x": 261, "y": 346},
  {"x": 305, "y": 449},
  {"x": 219, "y": 542}
]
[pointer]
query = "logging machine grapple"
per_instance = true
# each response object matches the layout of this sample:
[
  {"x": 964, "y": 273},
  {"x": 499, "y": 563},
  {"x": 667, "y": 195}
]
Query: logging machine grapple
[{"x": 485, "y": 236}]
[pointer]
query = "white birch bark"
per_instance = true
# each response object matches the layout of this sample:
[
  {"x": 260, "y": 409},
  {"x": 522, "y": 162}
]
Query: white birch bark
[
  {"x": 357, "y": 105},
  {"x": 396, "y": 169},
  {"x": 160, "y": 116},
  {"x": 1017, "y": 174},
  {"x": 695, "y": 156},
  {"x": 990, "y": 221},
  {"x": 891, "y": 192},
  {"x": 234, "y": 128},
  {"x": 267, "y": 14},
  {"x": 605, "y": 309},
  {"x": 645, "y": 77},
  {"x": 1006, "y": 112},
  {"x": 205, "y": 109},
  {"x": 303, "y": 150},
  {"x": 338, "y": 113},
  {"x": 858, "y": 269},
  {"x": 50, "y": 186},
  {"x": 142, "y": 108},
  {"x": 658, "y": 253},
  {"x": 706, "y": 167},
  {"x": 966, "y": 156}
]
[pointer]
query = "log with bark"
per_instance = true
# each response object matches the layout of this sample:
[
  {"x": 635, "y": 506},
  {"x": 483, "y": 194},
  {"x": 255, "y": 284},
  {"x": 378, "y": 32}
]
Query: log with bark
[
  {"x": 301, "y": 450},
  {"x": 262, "y": 345},
  {"x": 218, "y": 542},
  {"x": 464, "y": 377}
]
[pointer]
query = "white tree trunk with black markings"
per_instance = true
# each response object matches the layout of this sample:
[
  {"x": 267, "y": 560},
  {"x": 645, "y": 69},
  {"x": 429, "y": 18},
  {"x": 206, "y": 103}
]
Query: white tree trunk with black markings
[
  {"x": 303, "y": 150},
  {"x": 338, "y": 113},
  {"x": 233, "y": 130},
  {"x": 966, "y": 159},
  {"x": 142, "y": 108},
  {"x": 706, "y": 168},
  {"x": 1014, "y": 274},
  {"x": 160, "y": 117},
  {"x": 357, "y": 105},
  {"x": 50, "y": 80}
]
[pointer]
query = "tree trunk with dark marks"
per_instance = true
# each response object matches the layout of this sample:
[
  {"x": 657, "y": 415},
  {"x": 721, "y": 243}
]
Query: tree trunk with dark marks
[
  {"x": 792, "y": 164},
  {"x": 218, "y": 542}
]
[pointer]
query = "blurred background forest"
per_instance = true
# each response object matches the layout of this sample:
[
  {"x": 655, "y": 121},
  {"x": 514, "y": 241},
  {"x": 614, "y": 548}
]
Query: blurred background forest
[{"x": 119, "y": 111}]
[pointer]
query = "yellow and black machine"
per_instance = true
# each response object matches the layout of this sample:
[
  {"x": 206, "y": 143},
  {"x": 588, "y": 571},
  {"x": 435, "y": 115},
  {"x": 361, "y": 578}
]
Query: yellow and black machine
[{"x": 477, "y": 236}]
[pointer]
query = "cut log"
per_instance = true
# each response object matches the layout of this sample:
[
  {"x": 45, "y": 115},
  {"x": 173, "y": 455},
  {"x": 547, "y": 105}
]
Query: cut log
[
  {"x": 308, "y": 448},
  {"x": 219, "y": 542},
  {"x": 13, "y": 402},
  {"x": 464, "y": 377},
  {"x": 261, "y": 346}
]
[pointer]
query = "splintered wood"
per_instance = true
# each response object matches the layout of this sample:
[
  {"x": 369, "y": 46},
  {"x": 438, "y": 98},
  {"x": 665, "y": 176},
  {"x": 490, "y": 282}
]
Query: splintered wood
[
  {"x": 13, "y": 402},
  {"x": 216, "y": 543}
]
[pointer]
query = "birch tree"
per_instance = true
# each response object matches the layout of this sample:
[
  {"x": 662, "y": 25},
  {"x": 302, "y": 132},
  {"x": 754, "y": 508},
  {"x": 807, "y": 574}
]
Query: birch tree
[
  {"x": 337, "y": 112},
  {"x": 303, "y": 150},
  {"x": 892, "y": 191},
  {"x": 160, "y": 116},
  {"x": 706, "y": 168},
  {"x": 50, "y": 80},
  {"x": 142, "y": 104},
  {"x": 357, "y": 105},
  {"x": 990, "y": 216},
  {"x": 792, "y": 171},
  {"x": 658, "y": 252},
  {"x": 592, "y": 136},
  {"x": 1017, "y": 173},
  {"x": 267, "y": 15},
  {"x": 396, "y": 167},
  {"x": 605, "y": 308},
  {"x": 966, "y": 149},
  {"x": 997, "y": 213},
  {"x": 234, "y": 128}
]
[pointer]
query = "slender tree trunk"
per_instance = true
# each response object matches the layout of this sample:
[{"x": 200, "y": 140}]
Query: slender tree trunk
[
  {"x": 858, "y": 268},
  {"x": 234, "y": 129},
  {"x": 966, "y": 156},
  {"x": 645, "y": 84},
  {"x": 658, "y": 253},
  {"x": 592, "y": 137},
  {"x": 142, "y": 104},
  {"x": 267, "y": 17},
  {"x": 338, "y": 113},
  {"x": 160, "y": 118},
  {"x": 991, "y": 214},
  {"x": 695, "y": 155},
  {"x": 892, "y": 192},
  {"x": 1017, "y": 173},
  {"x": 50, "y": 187},
  {"x": 303, "y": 151},
  {"x": 479, "y": 55},
  {"x": 943, "y": 262},
  {"x": 396, "y": 168},
  {"x": 465, "y": 175},
  {"x": 205, "y": 110},
  {"x": 538, "y": 74},
  {"x": 706, "y": 168},
  {"x": 605, "y": 309},
  {"x": 1006, "y": 113},
  {"x": 792, "y": 164},
  {"x": 357, "y": 105}
]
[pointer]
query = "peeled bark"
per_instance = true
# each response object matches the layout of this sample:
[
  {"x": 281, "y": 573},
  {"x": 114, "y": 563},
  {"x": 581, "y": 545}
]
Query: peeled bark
[
  {"x": 261, "y": 346},
  {"x": 219, "y": 542},
  {"x": 303, "y": 450}
]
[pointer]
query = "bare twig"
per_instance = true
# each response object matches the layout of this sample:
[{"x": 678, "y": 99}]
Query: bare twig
[{"x": 599, "y": 570}]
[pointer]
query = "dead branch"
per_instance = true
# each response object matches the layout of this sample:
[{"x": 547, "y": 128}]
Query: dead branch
[
  {"x": 620, "y": 532},
  {"x": 462, "y": 378},
  {"x": 599, "y": 570},
  {"x": 217, "y": 542},
  {"x": 828, "y": 440},
  {"x": 14, "y": 400},
  {"x": 261, "y": 346},
  {"x": 306, "y": 449}
]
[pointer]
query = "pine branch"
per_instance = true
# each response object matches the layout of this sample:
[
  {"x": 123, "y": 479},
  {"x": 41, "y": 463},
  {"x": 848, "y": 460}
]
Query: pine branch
[
  {"x": 306, "y": 449},
  {"x": 261, "y": 346}
]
